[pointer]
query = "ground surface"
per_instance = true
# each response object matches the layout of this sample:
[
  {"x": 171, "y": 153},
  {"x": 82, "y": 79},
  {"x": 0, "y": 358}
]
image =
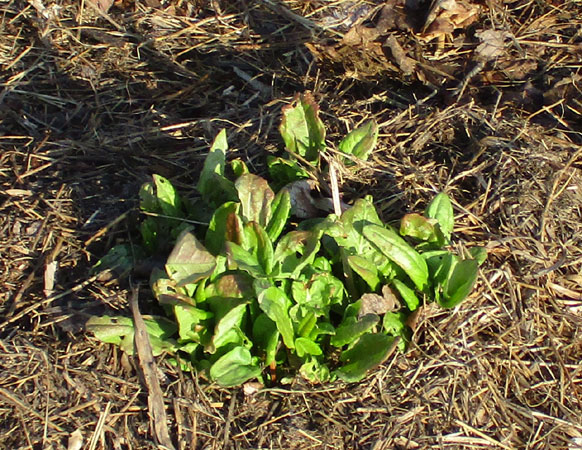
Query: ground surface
[{"x": 96, "y": 98}]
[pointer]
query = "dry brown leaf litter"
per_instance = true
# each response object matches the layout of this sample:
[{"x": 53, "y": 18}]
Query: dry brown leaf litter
[{"x": 95, "y": 100}]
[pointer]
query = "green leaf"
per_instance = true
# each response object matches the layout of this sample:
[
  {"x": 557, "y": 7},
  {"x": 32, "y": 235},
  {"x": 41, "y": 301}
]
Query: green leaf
[
  {"x": 168, "y": 198},
  {"x": 407, "y": 294},
  {"x": 302, "y": 129},
  {"x": 228, "y": 328},
  {"x": 421, "y": 228},
  {"x": 394, "y": 323},
  {"x": 244, "y": 260},
  {"x": 275, "y": 304},
  {"x": 348, "y": 233},
  {"x": 283, "y": 171},
  {"x": 148, "y": 201},
  {"x": 398, "y": 251},
  {"x": 366, "y": 269},
  {"x": 234, "y": 368},
  {"x": 223, "y": 227},
  {"x": 304, "y": 243},
  {"x": 459, "y": 283},
  {"x": 352, "y": 328},
  {"x": 479, "y": 254},
  {"x": 441, "y": 209},
  {"x": 255, "y": 197},
  {"x": 266, "y": 336},
  {"x": 149, "y": 233},
  {"x": 233, "y": 285},
  {"x": 109, "y": 329},
  {"x": 304, "y": 346},
  {"x": 192, "y": 322},
  {"x": 314, "y": 371},
  {"x": 263, "y": 247},
  {"x": 213, "y": 185},
  {"x": 281, "y": 210},
  {"x": 361, "y": 141},
  {"x": 238, "y": 167},
  {"x": 189, "y": 261},
  {"x": 370, "y": 351},
  {"x": 119, "y": 259},
  {"x": 120, "y": 331}
]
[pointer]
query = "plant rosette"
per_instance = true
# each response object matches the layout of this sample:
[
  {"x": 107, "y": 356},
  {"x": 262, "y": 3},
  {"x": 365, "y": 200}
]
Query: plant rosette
[{"x": 250, "y": 295}]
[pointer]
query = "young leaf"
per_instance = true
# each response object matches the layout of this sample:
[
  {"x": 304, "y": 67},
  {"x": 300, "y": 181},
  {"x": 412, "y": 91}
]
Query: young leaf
[
  {"x": 148, "y": 201},
  {"x": 442, "y": 210},
  {"x": 407, "y": 294},
  {"x": 266, "y": 336},
  {"x": 223, "y": 227},
  {"x": 168, "y": 199},
  {"x": 191, "y": 322},
  {"x": 119, "y": 259},
  {"x": 239, "y": 257},
  {"x": 369, "y": 352},
  {"x": 366, "y": 269},
  {"x": 421, "y": 228},
  {"x": 238, "y": 167},
  {"x": 302, "y": 129},
  {"x": 361, "y": 141},
  {"x": 255, "y": 197},
  {"x": 234, "y": 368},
  {"x": 281, "y": 210},
  {"x": 109, "y": 329},
  {"x": 397, "y": 250},
  {"x": 189, "y": 261},
  {"x": 459, "y": 283},
  {"x": 213, "y": 185},
  {"x": 227, "y": 330},
  {"x": 304, "y": 346},
  {"x": 275, "y": 305},
  {"x": 352, "y": 328},
  {"x": 283, "y": 171},
  {"x": 314, "y": 371},
  {"x": 263, "y": 247},
  {"x": 479, "y": 254},
  {"x": 304, "y": 243}
]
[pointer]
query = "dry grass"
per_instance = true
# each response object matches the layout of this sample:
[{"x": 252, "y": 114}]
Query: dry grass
[{"x": 94, "y": 102}]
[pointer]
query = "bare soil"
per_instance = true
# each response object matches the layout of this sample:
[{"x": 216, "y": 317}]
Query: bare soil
[{"x": 98, "y": 96}]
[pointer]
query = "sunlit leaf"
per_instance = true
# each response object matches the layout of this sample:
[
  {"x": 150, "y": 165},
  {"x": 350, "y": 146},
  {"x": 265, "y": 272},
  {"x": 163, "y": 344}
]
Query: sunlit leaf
[
  {"x": 441, "y": 209},
  {"x": 352, "y": 328},
  {"x": 302, "y": 129},
  {"x": 398, "y": 251},
  {"x": 366, "y": 269},
  {"x": 168, "y": 199},
  {"x": 234, "y": 368},
  {"x": 283, "y": 171},
  {"x": 370, "y": 351},
  {"x": 212, "y": 184},
  {"x": 459, "y": 283},
  {"x": 275, "y": 305},
  {"x": 189, "y": 261},
  {"x": 361, "y": 141},
  {"x": 223, "y": 227},
  {"x": 304, "y": 346},
  {"x": 407, "y": 294},
  {"x": 244, "y": 260},
  {"x": 255, "y": 197},
  {"x": 281, "y": 210}
]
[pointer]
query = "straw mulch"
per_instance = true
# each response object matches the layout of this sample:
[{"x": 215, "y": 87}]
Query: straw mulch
[{"x": 97, "y": 96}]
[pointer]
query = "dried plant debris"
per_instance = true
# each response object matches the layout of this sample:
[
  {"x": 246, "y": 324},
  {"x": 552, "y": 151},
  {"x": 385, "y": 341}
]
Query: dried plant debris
[{"x": 93, "y": 104}]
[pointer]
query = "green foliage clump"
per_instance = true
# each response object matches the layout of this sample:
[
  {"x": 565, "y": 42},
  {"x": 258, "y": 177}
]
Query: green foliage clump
[{"x": 251, "y": 295}]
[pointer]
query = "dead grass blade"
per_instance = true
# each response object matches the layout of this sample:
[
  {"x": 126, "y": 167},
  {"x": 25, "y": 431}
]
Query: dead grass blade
[{"x": 157, "y": 408}]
